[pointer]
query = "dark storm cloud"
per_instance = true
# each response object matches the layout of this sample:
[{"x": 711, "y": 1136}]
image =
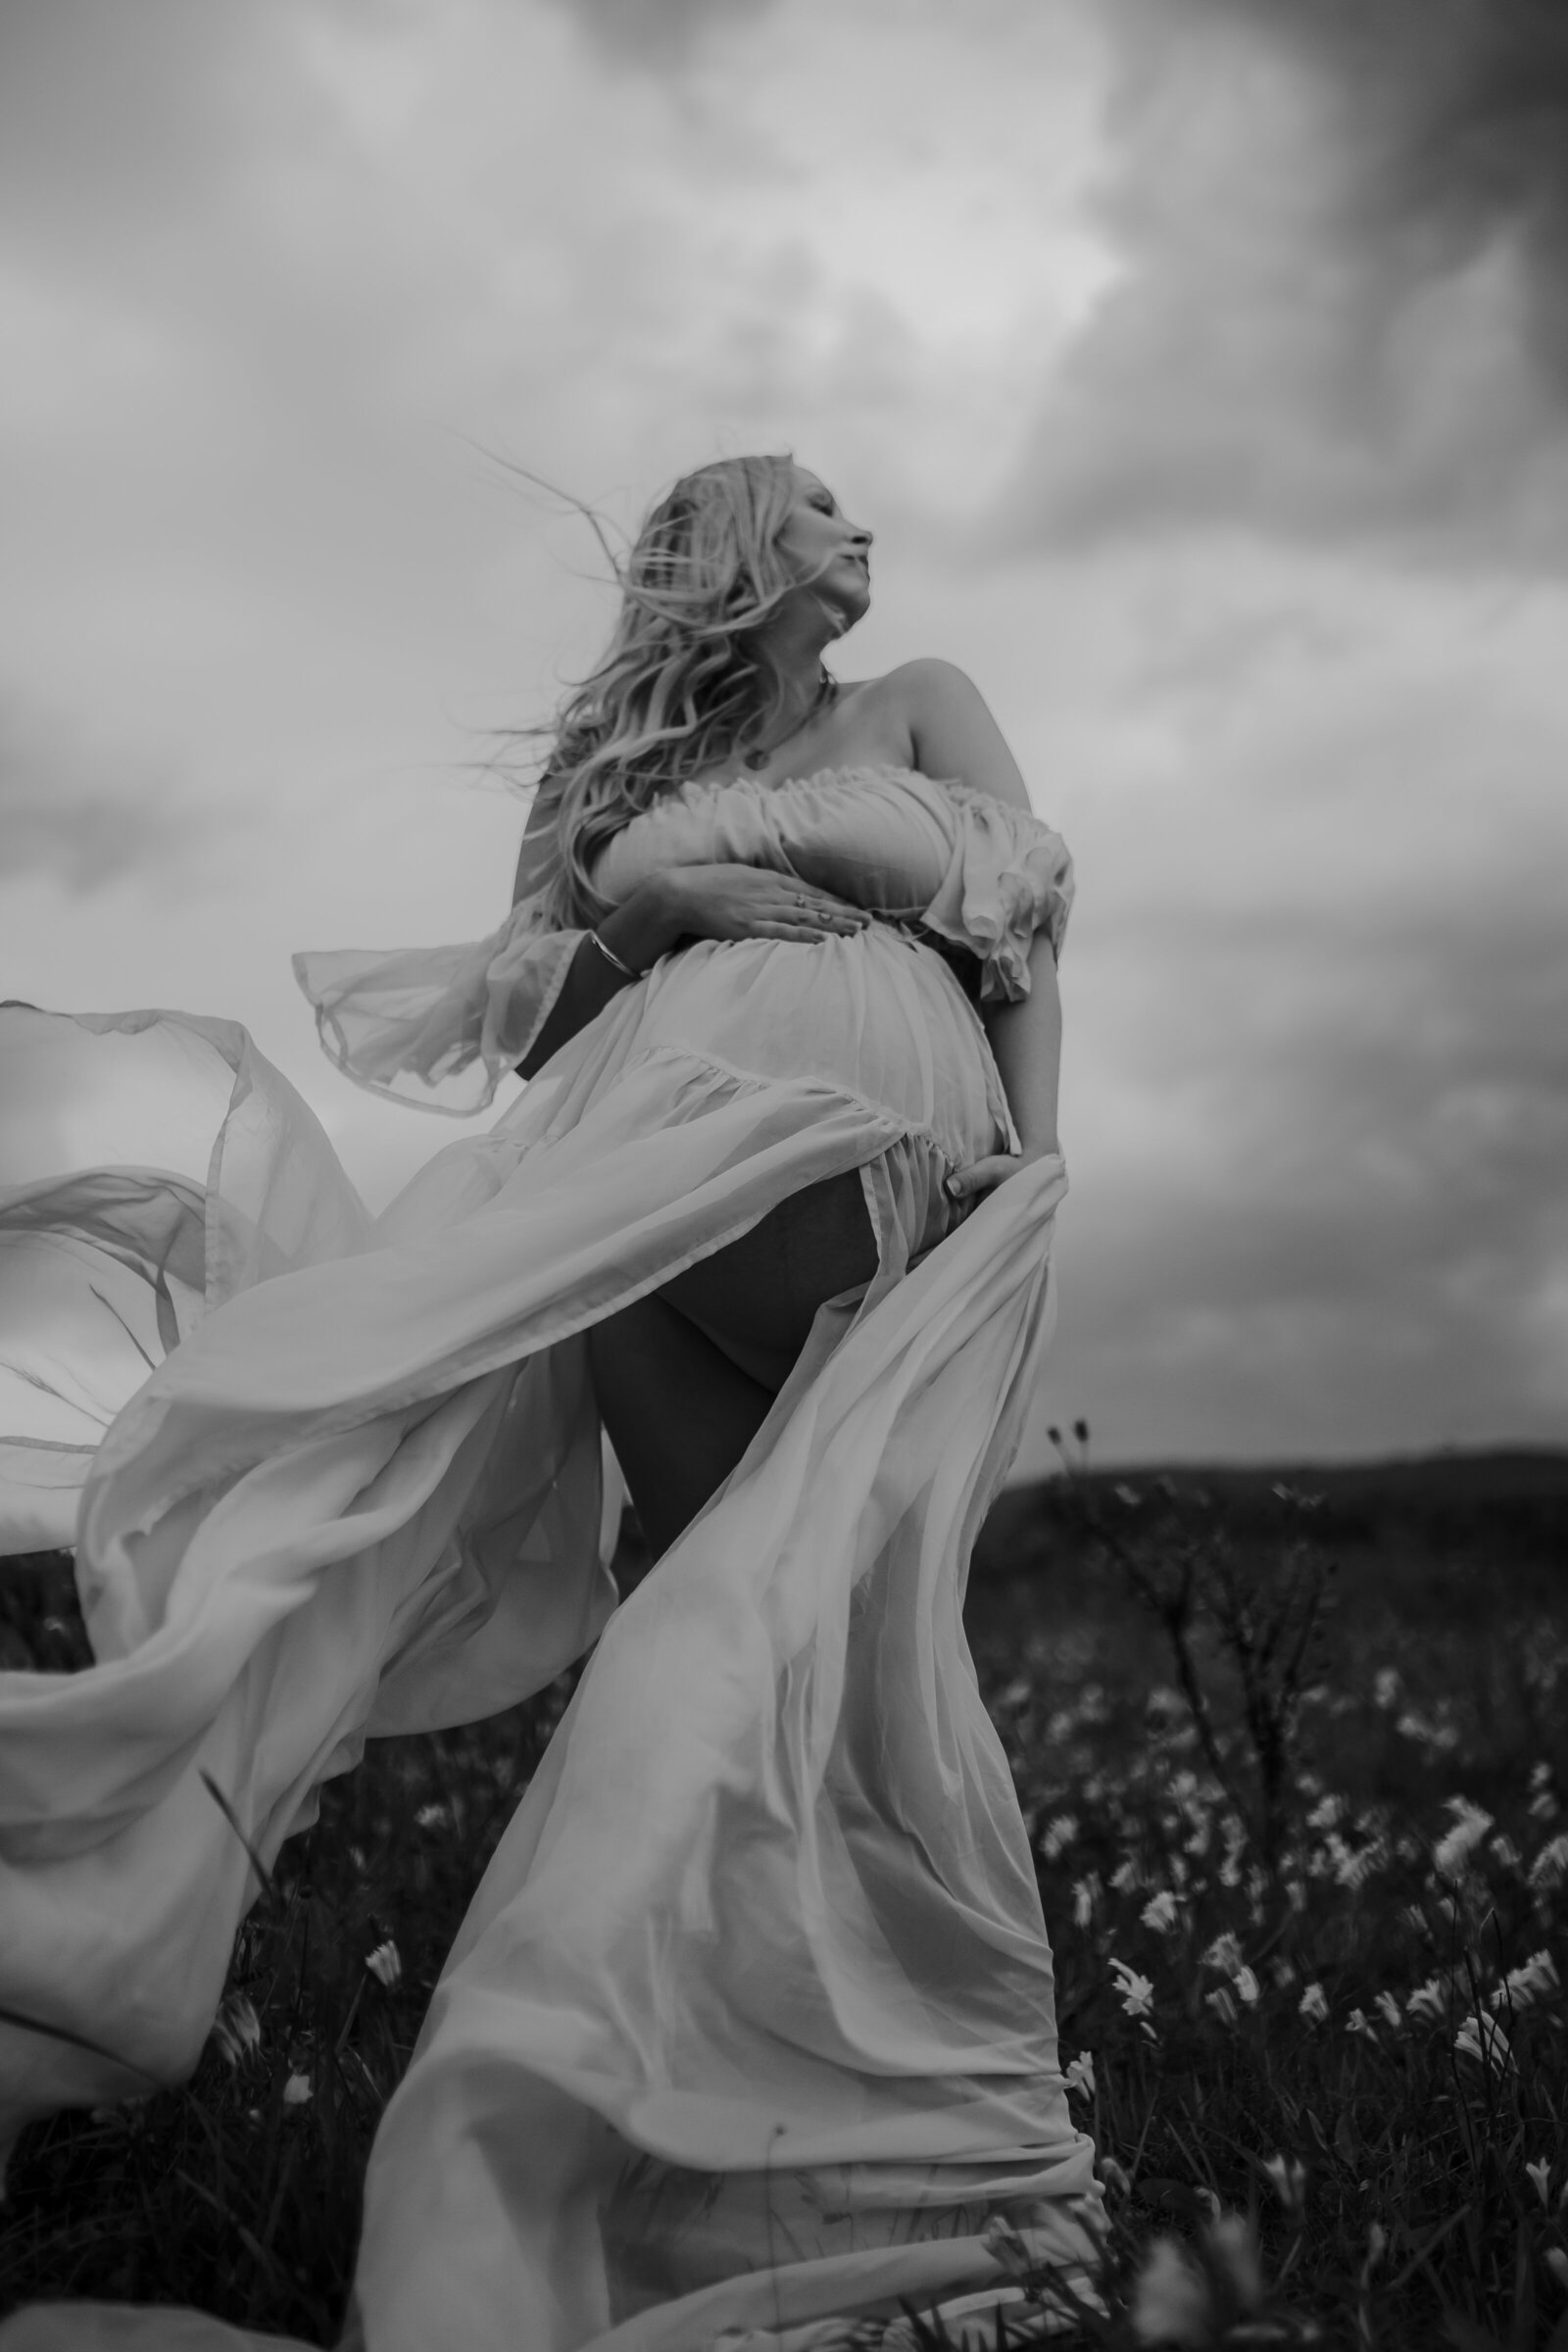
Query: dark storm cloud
[
  {"x": 657, "y": 33},
  {"x": 1363, "y": 1245},
  {"x": 1458, "y": 116},
  {"x": 1345, "y": 315},
  {"x": 58, "y": 818}
]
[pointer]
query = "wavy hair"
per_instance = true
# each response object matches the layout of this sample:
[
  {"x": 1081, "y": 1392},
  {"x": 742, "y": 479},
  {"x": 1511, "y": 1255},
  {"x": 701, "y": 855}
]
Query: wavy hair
[{"x": 678, "y": 686}]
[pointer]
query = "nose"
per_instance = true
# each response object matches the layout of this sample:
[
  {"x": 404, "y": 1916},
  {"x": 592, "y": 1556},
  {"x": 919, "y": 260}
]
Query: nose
[{"x": 859, "y": 540}]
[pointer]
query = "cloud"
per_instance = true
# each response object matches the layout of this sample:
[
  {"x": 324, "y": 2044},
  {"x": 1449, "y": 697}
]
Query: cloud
[
  {"x": 660, "y": 34},
  {"x": 56, "y": 818},
  {"x": 273, "y": 273},
  {"x": 1316, "y": 1100},
  {"x": 1364, "y": 1246},
  {"x": 1342, "y": 314},
  {"x": 1457, "y": 124}
]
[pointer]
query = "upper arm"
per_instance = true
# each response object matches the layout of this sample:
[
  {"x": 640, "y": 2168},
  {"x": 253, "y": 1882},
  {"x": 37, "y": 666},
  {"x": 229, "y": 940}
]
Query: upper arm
[{"x": 952, "y": 733}]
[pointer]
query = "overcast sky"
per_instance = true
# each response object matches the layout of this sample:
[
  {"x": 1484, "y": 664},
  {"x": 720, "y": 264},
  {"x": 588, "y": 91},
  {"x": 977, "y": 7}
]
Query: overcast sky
[{"x": 1201, "y": 366}]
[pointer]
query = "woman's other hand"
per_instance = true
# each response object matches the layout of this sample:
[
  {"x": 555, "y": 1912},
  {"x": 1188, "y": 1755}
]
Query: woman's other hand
[
  {"x": 749, "y": 902},
  {"x": 984, "y": 1175}
]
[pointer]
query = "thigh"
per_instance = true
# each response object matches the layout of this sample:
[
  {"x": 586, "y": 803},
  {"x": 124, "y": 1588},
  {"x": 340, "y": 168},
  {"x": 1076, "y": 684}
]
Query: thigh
[
  {"x": 679, "y": 1412},
  {"x": 757, "y": 1297}
]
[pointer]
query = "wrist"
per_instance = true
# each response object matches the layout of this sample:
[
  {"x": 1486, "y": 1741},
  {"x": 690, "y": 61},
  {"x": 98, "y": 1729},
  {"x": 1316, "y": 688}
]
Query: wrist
[{"x": 646, "y": 925}]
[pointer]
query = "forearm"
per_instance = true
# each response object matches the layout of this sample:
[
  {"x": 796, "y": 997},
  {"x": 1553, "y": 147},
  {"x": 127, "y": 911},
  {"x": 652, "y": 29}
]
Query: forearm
[
  {"x": 1026, "y": 1041},
  {"x": 639, "y": 933}
]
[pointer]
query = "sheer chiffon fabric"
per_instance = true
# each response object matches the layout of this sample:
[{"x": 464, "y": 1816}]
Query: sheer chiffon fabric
[{"x": 750, "y": 2026}]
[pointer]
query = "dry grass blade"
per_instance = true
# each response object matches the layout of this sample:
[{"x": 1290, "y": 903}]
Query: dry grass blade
[
  {"x": 263, "y": 1876},
  {"x": 78, "y": 2041}
]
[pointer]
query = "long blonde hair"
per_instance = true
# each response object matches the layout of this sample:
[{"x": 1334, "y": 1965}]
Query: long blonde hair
[{"x": 678, "y": 686}]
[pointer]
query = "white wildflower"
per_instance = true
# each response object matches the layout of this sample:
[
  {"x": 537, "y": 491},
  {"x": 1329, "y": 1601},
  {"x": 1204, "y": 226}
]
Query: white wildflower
[
  {"x": 1314, "y": 2004},
  {"x": 1453, "y": 1851},
  {"x": 1442, "y": 1737},
  {"x": 386, "y": 1964},
  {"x": 1288, "y": 2177},
  {"x": 1085, "y": 1894},
  {"x": 1354, "y": 1867},
  {"x": 1137, "y": 1992},
  {"x": 1126, "y": 1877},
  {"x": 1550, "y": 1868},
  {"x": 297, "y": 2090},
  {"x": 1198, "y": 1844},
  {"x": 1386, "y": 1689},
  {"x": 1522, "y": 1988},
  {"x": 236, "y": 2029},
  {"x": 1390, "y": 2010},
  {"x": 1483, "y": 2038},
  {"x": 1540, "y": 2179},
  {"x": 1359, "y": 2023},
  {"x": 1556, "y": 2262},
  {"x": 1224, "y": 1954},
  {"x": 1429, "y": 2002},
  {"x": 1327, "y": 1813},
  {"x": 1248, "y": 1986},
  {"x": 1223, "y": 2003},
  {"x": 1283, "y": 1972},
  {"x": 1057, "y": 1834},
  {"x": 1232, "y": 2246},
  {"x": 1543, "y": 1803},
  {"x": 431, "y": 1817},
  {"x": 1172, "y": 2299},
  {"x": 1160, "y": 1912},
  {"x": 1504, "y": 1851},
  {"x": 1080, "y": 2076},
  {"x": 1004, "y": 2241}
]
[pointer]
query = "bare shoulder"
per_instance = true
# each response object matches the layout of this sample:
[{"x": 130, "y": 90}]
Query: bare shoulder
[
  {"x": 912, "y": 695},
  {"x": 950, "y": 727},
  {"x": 928, "y": 678}
]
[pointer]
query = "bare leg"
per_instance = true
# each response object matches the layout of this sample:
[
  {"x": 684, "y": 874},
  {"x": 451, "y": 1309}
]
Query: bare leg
[
  {"x": 685, "y": 1378},
  {"x": 679, "y": 1413}
]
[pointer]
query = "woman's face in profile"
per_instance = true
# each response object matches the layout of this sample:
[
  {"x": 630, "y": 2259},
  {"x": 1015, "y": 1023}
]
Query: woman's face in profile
[{"x": 828, "y": 550}]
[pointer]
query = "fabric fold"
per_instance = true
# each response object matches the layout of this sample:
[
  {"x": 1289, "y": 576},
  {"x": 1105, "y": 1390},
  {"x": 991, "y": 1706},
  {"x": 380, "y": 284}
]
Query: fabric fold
[{"x": 749, "y": 2032}]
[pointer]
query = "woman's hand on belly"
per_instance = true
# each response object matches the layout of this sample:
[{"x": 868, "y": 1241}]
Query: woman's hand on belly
[
  {"x": 749, "y": 901},
  {"x": 681, "y": 903}
]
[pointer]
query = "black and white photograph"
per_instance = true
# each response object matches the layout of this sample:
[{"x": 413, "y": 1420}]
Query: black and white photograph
[{"x": 783, "y": 1175}]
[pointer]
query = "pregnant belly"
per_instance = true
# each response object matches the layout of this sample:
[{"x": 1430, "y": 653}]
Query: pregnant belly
[{"x": 873, "y": 1015}]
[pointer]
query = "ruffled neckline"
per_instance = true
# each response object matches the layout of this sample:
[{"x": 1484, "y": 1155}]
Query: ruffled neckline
[{"x": 862, "y": 772}]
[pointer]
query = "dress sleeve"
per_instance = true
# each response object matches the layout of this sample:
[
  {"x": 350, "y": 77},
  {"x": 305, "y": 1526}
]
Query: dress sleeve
[
  {"x": 1009, "y": 877},
  {"x": 439, "y": 1027}
]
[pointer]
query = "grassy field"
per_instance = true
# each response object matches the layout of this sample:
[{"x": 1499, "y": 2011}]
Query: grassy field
[{"x": 1293, "y": 1754}]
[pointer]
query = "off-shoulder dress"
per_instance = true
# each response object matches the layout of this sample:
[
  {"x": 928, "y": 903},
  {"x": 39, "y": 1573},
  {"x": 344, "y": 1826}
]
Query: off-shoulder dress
[{"x": 750, "y": 2026}]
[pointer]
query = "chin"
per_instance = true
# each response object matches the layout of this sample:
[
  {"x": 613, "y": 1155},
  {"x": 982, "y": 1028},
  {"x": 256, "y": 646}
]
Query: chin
[{"x": 848, "y": 609}]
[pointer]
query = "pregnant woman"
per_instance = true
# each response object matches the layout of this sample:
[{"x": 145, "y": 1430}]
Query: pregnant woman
[{"x": 748, "y": 2036}]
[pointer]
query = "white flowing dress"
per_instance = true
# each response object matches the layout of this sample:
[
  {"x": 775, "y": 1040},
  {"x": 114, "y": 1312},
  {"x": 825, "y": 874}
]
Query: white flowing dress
[{"x": 750, "y": 2026}]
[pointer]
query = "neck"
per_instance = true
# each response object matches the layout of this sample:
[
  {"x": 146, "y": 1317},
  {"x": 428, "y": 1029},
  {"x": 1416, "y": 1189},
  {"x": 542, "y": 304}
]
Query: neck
[{"x": 791, "y": 650}]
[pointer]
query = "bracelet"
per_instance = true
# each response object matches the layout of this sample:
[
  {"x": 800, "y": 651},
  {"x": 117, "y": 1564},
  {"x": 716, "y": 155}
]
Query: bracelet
[{"x": 611, "y": 958}]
